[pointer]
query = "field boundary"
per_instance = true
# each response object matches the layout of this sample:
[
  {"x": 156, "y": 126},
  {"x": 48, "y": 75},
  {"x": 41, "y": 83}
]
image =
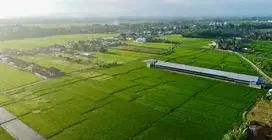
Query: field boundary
[
  {"x": 255, "y": 67},
  {"x": 16, "y": 128},
  {"x": 22, "y": 87}
]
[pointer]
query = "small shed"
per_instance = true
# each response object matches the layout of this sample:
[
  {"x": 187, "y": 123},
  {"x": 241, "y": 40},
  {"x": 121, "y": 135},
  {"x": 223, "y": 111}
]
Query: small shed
[
  {"x": 270, "y": 92},
  {"x": 150, "y": 63}
]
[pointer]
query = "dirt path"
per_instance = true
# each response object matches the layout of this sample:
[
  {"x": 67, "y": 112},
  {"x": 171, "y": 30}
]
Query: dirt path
[
  {"x": 255, "y": 67},
  {"x": 22, "y": 87},
  {"x": 16, "y": 128}
]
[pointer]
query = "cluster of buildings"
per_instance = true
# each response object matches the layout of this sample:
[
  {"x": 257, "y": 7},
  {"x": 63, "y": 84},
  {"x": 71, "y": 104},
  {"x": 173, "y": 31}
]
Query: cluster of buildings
[{"x": 36, "y": 69}]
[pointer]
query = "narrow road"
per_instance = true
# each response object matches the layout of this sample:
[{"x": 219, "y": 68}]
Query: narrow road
[
  {"x": 16, "y": 128},
  {"x": 22, "y": 87},
  {"x": 255, "y": 67}
]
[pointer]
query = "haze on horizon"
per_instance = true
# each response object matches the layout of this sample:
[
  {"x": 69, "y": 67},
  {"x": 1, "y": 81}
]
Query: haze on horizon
[{"x": 146, "y": 8}]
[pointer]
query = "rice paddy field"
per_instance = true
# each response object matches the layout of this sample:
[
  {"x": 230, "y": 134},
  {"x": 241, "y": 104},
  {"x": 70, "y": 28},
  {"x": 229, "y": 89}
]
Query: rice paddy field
[
  {"x": 211, "y": 59},
  {"x": 119, "y": 56},
  {"x": 98, "y": 59},
  {"x": 188, "y": 42},
  {"x": 262, "y": 48},
  {"x": 262, "y": 52},
  {"x": 4, "y": 135},
  {"x": 30, "y": 43},
  {"x": 50, "y": 61},
  {"x": 151, "y": 44},
  {"x": 12, "y": 77},
  {"x": 131, "y": 102}
]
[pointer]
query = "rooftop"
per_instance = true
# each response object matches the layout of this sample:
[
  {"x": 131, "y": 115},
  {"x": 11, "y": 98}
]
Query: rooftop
[{"x": 209, "y": 71}]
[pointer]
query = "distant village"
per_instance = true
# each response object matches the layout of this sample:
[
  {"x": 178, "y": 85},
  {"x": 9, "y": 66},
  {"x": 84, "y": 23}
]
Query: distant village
[{"x": 73, "y": 49}]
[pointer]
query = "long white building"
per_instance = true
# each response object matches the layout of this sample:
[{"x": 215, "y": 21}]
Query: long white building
[{"x": 222, "y": 75}]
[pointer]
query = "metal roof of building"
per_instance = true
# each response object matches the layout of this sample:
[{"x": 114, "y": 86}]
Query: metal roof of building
[{"x": 209, "y": 71}]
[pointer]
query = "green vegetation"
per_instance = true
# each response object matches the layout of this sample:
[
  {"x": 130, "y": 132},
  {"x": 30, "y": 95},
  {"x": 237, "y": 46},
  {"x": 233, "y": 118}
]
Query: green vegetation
[
  {"x": 12, "y": 77},
  {"x": 118, "y": 56},
  {"x": 131, "y": 102},
  {"x": 262, "y": 56},
  {"x": 211, "y": 59},
  {"x": 142, "y": 49},
  {"x": 188, "y": 42},
  {"x": 50, "y": 61},
  {"x": 4, "y": 135},
  {"x": 30, "y": 43},
  {"x": 150, "y": 44}
]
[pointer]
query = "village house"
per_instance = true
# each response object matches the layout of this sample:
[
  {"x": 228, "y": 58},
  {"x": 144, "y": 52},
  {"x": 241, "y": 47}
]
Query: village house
[
  {"x": 140, "y": 40},
  {"x": 86, "y": 54},
  {"x": 57, "y": 48},
  {"x": 3, "y": 59}
]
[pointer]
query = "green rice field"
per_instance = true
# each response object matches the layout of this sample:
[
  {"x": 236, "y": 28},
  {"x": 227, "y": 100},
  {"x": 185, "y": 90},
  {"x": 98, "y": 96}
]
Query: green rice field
[
  {"x": 98, "y": 59},
  {"x": 151, "y": 44},
  {"x": 188, "y": 42},
  {"x": 119, "y": 56},
  {"x": 131, "y": 102},
  {"x": 4, "y": 135},
  {"x": 12, "y": 77},
  {"x": 30, "y": 43},
  {"x": 211, "y": 59},
  {"x": 50, "y": 61}
]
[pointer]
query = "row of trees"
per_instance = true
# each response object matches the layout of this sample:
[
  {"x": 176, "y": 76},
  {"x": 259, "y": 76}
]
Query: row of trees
[{"x": 86, "y": 46}]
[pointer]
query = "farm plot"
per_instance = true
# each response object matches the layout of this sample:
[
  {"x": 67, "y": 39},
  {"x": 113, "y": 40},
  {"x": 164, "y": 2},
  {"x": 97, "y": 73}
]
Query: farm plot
[
  {"x": 262, "y": 62},
  {"x": 30, "y": 43},
  {"x": 119, "y": 56},
  {"x": 50, "y": 61},
  {"x": 12, "y": 77},
  {"x": 133, "y": 103},
  {"x": 142, "y": 49},
  {"x": 212, "y": 59},
  {"x": 188, "y": 42},
  {"x": 4, "y": 135},
  {"x": 151, "y": 45}
]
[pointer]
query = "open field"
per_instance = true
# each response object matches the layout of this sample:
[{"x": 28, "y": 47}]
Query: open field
[
  {"x": 12, "y": 77},
  {"x": 211, "y": 59},
  {"x": 188, "y": 42},
  {"x": 119, "y": 56},
  {"x": 262, "y": 48},
  {"x": 50, "y": 61},
  {"x": 151, "y": 44},
  {"x": 262, "y": 112},
  {"x": 30, "y": 43},
  {"x": 131, "y": 102},
  {"x": 256, "y": 60},
  {"x": 98, "y": 59},
  {"x": 142, "y": 49},
  {"x": 4, "y": 135}
]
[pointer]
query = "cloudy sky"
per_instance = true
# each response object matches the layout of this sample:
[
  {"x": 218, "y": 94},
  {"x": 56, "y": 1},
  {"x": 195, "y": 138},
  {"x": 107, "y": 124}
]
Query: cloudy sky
[{"x": 182, "y": 8}]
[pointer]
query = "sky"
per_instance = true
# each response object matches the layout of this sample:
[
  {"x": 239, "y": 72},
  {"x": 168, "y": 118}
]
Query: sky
[{"x": 145, "y": 8}]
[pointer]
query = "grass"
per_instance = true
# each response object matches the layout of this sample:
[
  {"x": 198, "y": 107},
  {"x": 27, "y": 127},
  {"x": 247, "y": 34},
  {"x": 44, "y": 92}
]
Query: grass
[
  {"x": 12, "y": 77},
  {"x": 119, "y": 56},
  {"x": 30, "y": 43},
  {"x": 142, "y": 49},
  {"x": 211, "y": 59},
  {"x": 112, "y": 56},
  {"x": 188, "y": 42},
  {"x": 133, "y": 102},
  {"x": 4, "y": 135},
  {"x": 50, "y": 61},
  {"x": 151, "y": 45}
]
